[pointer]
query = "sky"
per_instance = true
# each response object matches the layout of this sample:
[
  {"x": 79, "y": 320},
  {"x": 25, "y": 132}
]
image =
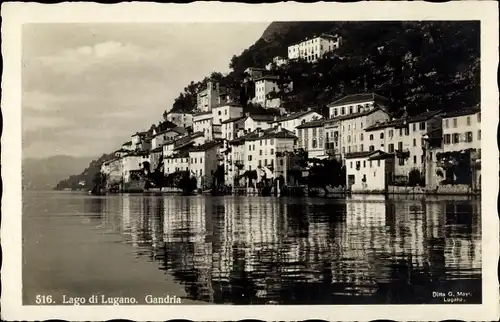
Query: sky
[{"x": 88, "y": 87}]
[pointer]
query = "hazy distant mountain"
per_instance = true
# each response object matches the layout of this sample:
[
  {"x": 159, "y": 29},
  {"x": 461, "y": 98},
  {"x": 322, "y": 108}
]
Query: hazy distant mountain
[{"x": 45, "y": 173}]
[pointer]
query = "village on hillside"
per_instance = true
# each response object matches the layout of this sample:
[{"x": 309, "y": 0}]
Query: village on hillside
[{"x": 357, "y": 146}]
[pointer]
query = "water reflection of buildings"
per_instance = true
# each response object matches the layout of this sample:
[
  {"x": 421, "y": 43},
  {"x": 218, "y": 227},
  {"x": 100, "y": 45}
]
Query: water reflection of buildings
[{"x": 261, "y": 250}]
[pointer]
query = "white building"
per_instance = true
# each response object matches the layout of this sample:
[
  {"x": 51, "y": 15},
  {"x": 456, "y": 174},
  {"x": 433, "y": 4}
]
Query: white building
[
  {"x": 131, "y": 163},
  {"x": 369, "y": 171},
  {"x": 203, "y": 161},
  {"x": 176, "y": 145},
  {"x": 315, "y": 48},
  {"x": 277, "y": 62},
  {"x": 226, "y": 111},
  {"x": 352, "y": 128},
  {"x": 264, "y": 86},
  {"x": 292, "y": 121},
  {"x": 261, "y": 147},
  {"x": 257, "y": 121},
  {"x": 230, "y": 127},
  {"x": 202, "y": 122},
  {"x": 462, "y": 130},
  {"x": 312, "y": 138},
  {"x": 357, "y": 103},
  {"x": 181, "y": 119},
  {"x": 176, "y": 162},
  {"x": 404, "y": 137},
  {"x": 159, "y": 138},
  {"x": 211, "y": 96}
]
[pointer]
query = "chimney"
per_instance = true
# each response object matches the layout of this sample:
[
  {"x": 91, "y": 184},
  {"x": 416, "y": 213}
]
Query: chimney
[{"x": 247, "y": 114}]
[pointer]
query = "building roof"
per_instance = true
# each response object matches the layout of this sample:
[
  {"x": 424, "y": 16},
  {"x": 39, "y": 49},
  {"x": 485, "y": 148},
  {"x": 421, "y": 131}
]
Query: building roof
[
  {"x": 229, "y": 104},
  {"x": 463, "y": 112},
  {"x": 358, "y": 114},
  {"x": 314, "y": 123},
  {"x": 293, "y": 116},
  {"x": 267, "y": 77},
  {"x": 206, "y": 146},
  {"x": 128, "y": 143},
  {"x": 273, "y": 134},
  {"x": 184, "y": 153},
  {"x": 401, "y": 121},
  {"x": 234, "y": 119},
  {"x": 372, "y": 155},
  {"x": 261, "y": 117},
  {"x": 178, "y": 130},
  {"x": 140, "y": 134},
  {"x": 202, "y": 113},
  {"x": 158, "y": 149},
  {"x": 359, "y": 98}
]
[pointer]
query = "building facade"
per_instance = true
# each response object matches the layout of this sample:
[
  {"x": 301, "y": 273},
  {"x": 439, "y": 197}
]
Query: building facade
[
  {"x": 315, "y": 48},
  {"x": 181, "y": 119},
  {"x": 462, "y": 130}
]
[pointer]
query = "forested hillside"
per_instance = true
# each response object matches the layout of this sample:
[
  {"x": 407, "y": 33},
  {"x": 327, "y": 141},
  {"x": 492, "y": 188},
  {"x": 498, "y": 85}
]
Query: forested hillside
[
  {"x": 418, "y": 65},
  {"x": 87, "y": 176}
]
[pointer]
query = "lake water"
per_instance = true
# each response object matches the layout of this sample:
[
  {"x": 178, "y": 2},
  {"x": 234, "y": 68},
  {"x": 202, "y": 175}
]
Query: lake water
[{"x": 251, "y": 250}]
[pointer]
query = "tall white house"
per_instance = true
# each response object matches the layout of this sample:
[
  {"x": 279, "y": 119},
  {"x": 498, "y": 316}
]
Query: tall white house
[
  {"x": 181, "y": 119},
  {"x": 462, "y": 130},
  {"x": 263, "y": 87},
  {"x": 211, "y": 96},
  {"x": 315, "y": 48},
  {"x": 292, "y": 121},
  {"x": 357, "y": 103}
]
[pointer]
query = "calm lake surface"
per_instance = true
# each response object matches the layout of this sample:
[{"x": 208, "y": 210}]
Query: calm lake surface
[{"x": 251, "y": 250}]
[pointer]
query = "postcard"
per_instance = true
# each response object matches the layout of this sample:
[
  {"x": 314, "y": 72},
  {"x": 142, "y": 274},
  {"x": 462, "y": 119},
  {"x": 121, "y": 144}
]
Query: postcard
[{"x": 223, "y": 161}]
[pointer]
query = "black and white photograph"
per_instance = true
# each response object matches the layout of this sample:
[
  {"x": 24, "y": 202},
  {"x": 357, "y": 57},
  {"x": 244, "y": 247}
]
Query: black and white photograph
[{"x": 267, "y": 163}]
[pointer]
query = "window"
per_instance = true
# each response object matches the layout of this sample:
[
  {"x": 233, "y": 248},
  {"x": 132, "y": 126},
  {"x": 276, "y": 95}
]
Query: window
[
  {"x": 260, "y": 152},
  {"x": 479, "y": 117},
  {"x": 348, "y": 138},
  {"x": 201, "y": 160},
  {"x": 343, "y": 110},
  {"x": 350, "y": 110},
  {"x": 219, "y": 112},
  {"x": 382, "y": 135},
  {"x": 349, "y": 127},
  {"x": 361, "y": 137},
  {"x": 414, "y": 142},
  {"x": 351, "y": 164},
  {"x": 422, "y": 126},
  {"x": 455, "y": 122},
  {"x": 225, "y": 111},
  {"x": 260, "y": 163},
  {"x": 364, "y": 164},
  {"x": 281, "y": 162},
  {"x": 335, "y": 112},
  {"x": 260, "y": 142},
  {"x": 361, "y": 125},
  {"x": 371, "y": 137},
  {"x": 378, "y": 163},
  {"x": 479, "y": 134},
  {"x": 400, "y": 146},
  {"x": 468, "y": 137},
  {"x": 249, "y": 158},
  {"x": 371, "y": 148},
  {"x": 414, "y": 127},
  {"x": 371, "y": 163},
  {"x": 401, "y": 132},
  {"x": 446, "y": 123},
  {"x": 407, "y": 131},
  {"x": 272, "y": 151},
  {"x": 468, "y": 120},
  {"x": 361, "y": 148},
  {"x": 401, "y": 161},
  {"x": 456, "y": 138},
  {"x": 391, "y": 148},
  {"x": 447, "y": 139},
  {"x": 391, "y": 133},
  {"x": 414, "y": 159},
  {"x": 343, "y": 150}
]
